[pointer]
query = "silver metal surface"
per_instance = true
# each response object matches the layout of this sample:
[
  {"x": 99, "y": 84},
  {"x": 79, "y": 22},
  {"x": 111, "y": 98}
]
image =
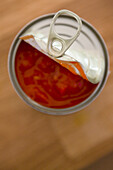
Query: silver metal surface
[{"x": 55, "y": 37}]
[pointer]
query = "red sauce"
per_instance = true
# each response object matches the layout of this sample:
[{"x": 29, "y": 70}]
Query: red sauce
[{"x": 47, "y": 82}]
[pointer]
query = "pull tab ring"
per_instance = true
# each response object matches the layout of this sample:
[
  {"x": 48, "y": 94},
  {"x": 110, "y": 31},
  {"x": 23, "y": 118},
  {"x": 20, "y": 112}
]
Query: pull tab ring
[{"x": 53, "y": 36}]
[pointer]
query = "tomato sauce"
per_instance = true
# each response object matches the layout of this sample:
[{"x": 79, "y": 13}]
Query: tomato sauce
[{"x": 47, "y": 82}]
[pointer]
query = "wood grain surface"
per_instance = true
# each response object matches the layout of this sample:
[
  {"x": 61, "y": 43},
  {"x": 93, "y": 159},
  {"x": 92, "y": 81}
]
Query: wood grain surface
[{"x": 30, "y": 140}]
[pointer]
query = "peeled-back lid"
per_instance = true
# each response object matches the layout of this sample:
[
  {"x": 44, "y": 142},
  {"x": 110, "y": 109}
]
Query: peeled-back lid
[{"x": 84, "y": 57}]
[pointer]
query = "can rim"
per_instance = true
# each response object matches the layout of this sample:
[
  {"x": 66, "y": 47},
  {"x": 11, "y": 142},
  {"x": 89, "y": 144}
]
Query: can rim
[{"x": 55, "y": 111}]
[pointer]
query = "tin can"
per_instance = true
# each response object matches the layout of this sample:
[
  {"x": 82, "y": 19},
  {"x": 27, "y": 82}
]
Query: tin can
[{"x": 89, "y": 35}]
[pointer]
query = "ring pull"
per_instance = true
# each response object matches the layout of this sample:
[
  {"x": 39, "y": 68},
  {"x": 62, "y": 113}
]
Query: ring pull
[{"x": 53, "y": 37}]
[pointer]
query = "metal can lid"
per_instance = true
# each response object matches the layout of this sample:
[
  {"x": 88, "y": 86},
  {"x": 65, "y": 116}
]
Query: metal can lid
[{"x": 80, "y": 58}]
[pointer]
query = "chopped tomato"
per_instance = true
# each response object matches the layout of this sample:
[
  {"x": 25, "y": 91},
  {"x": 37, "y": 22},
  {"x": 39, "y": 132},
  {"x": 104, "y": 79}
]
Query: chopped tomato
[{"x": 47, "y": 82}]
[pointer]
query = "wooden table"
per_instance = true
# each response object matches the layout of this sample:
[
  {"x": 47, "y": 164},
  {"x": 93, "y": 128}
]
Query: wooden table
[{"x": 32, "y": 140}]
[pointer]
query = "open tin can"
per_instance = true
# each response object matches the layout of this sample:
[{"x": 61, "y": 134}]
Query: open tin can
[{"x": 66, "y": 27}]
